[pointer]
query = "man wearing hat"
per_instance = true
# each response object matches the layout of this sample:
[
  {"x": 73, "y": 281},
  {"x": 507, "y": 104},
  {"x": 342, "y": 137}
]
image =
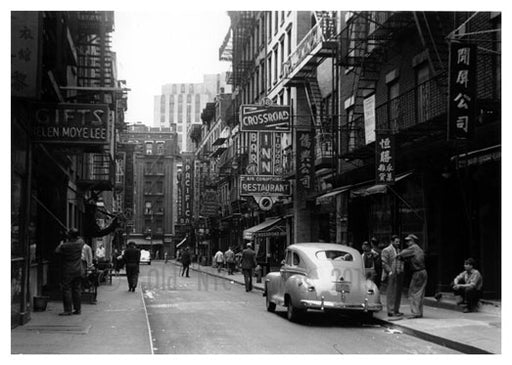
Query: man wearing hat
[
  {"x": 415, "y": 256},
  {"x": 131, "y": 258},
  {"x": 70, "y": 252},
  {"x": 248, "y": 265}
]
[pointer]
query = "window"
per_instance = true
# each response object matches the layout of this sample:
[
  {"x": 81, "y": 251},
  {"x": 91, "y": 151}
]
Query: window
[
  {"x": 180, "y": 108},
  {"x": 282, "y": 17},
  {"x": 149, "y": 148},
  {"x": 189, "y": 108},
  {"x": 197, "y": 106},
  {"x": 160, "y": 148},
  {"x": 274, "y": 75},
  {"x": 147, "y": 187},
  {"x": 147, "y": 208},
  {"x": 351, "y": 129},
  {"x": 174, "y": 88},
  {"x": 423, "y": 93},
  {"x": 257, "y": 81},
  {"x": 262, "y": 75},
  {"x": 182, "y": 89},
  {"x": 393, "y": 103},
  {"x": 281, "y": 54},
  {"x": 171, "y": 108},
  {"x": 276, "y": 21},
  {"x": 334, "y": 255},
  {"x": 269, "y": 71},
  {"x": 269, "y": 21},
  {"x": 289, "y": 41}
]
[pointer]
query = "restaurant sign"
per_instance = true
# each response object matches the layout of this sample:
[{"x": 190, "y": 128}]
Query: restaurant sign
[
  {"x": 385, "y": 158},
  {"x": 265, "y": 118},
  {"x": 267, "y": 185},
  {"x": 74, "y": 124}
]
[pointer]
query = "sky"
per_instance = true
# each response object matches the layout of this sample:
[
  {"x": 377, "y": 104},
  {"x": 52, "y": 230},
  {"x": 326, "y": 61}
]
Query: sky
[{"x": 161, "y": 47}]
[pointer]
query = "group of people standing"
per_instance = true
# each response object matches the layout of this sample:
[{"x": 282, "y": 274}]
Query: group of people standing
[{"x": 387, "y": 265}]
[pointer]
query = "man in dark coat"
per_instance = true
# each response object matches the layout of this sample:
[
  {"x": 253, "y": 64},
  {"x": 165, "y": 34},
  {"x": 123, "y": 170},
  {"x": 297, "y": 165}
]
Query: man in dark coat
[
  {"x": 131, "y": 258},
  {"x": 415, "y": 256},
  {"x": 70, "y": 252},
  {"x": 185, "y": 261},
  {"x": 248, "y": 265}
]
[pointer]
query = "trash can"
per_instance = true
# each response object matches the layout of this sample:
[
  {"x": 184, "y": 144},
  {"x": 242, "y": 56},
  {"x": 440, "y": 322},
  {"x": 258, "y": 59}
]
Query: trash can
[{"x": 40, "y": 303}]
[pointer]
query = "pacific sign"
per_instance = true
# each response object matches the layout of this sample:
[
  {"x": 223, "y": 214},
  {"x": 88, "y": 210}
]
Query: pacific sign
[
  {"x": 266, "y": 185},
  {"x": 71, "y": 123},
  {"x": 265, "y": 118}
]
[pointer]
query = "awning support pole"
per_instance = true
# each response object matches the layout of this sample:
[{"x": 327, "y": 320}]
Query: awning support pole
[{"x": 406, "y": 203}]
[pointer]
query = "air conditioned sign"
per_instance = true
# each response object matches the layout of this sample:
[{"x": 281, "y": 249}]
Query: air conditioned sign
[
  {"x": 267, "y": 185},
  {"x": 70, "y": 123},
  {"x": 265, "y": 118}
]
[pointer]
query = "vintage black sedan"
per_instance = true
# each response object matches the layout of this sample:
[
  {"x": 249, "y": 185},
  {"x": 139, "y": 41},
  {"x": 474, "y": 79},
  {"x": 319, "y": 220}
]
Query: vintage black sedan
[{"x": 321, "y": 276}]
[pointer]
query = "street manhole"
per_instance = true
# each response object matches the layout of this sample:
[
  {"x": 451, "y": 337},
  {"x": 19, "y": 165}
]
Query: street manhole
[{"x": 59, "y": 328}]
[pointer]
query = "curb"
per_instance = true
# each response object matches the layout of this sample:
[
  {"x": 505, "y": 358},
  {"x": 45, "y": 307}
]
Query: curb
[
  {"x": 223, "y": 277},
  {"x": 454, "y": 345}
]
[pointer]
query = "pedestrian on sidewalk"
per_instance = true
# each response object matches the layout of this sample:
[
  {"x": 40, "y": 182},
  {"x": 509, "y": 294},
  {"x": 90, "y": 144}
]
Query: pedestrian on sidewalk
[
  {"x": 393, "y": 272},
  {"x": 185, "y": 261},
  {"x": 415, "y": 256},
  {"x": 376, "y": 251},
  {"x": 369, "y": 261},
  {"x": 229, "y": 255},
  {"x": 468, "y": 284},
  {"x": 218, "y": 259},
  {"x": 248, "y": 265},
  {"x": 131, "y": 259},
  {"x": 70, "y": 252}
]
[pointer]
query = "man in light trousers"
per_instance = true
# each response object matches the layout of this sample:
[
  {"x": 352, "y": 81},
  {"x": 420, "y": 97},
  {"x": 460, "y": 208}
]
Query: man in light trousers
[{"x": 416, "y": 258}]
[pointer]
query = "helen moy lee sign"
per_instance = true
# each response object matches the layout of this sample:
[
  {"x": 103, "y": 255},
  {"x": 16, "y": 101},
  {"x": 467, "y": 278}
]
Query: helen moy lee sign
[{"x": 71, "y": 123}]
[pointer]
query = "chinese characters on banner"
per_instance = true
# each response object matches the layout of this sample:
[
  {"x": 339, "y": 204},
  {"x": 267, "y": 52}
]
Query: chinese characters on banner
[
  {"x": 384, "y": 158},
  {"x": 305, "y": 167},
  {"x": 24, "y": 53},
  {"x": 462, "y": 95}
]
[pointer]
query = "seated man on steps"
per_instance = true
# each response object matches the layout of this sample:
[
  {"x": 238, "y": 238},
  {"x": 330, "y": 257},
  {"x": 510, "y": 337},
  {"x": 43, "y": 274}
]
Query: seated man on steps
[{"x": 468, "y": 284}]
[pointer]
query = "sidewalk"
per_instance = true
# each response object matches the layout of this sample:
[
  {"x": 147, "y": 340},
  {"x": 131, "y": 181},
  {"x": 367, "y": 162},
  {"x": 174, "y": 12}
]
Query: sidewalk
[
  {"x": 117, "y": 324},
  {"x": 465, "y": 332}
]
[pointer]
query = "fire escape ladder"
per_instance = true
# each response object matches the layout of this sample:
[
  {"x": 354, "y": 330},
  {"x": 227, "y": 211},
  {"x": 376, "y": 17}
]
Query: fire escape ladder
[
  {"x": 314, "y": 98},
  {"x": 432, "y": 38}
]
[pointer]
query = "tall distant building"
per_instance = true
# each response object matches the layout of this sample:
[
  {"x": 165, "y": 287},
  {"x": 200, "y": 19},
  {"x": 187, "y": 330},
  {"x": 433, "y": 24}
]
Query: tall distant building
[
  {"x": 152, "y": 158},
  {"x": 181, "y": 105}
]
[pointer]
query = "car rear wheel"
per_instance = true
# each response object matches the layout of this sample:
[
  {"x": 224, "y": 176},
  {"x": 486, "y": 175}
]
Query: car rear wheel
[
  {"x": 271, "y": 306},
  {"x": 293, "y": 313}
]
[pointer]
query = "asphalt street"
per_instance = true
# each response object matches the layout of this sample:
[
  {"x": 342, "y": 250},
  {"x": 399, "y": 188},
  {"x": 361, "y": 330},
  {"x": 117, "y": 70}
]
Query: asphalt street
[{"x": 203, "y": 314}]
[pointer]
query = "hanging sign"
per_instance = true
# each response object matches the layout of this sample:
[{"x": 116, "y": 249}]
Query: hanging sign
[
  {"x": 265, "y": 118},
  {"x": 305, "y": 164},
  {"x": 385, "y": 158},
  {"x": 462, "y": 91}
]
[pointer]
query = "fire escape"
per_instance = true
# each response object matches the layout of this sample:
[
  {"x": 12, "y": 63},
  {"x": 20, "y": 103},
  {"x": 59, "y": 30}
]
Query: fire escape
[
  {"x": 299, "y": 70},
  {"x": 95, "y": 77},
  {"x": 365, "y": 44}
]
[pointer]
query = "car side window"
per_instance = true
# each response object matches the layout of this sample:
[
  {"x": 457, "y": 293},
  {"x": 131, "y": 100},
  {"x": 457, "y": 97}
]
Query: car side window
[{"x": 296, "y": 259}]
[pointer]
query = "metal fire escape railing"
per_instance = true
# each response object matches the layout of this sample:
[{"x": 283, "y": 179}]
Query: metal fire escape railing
[{"x": 242, "y": 24}]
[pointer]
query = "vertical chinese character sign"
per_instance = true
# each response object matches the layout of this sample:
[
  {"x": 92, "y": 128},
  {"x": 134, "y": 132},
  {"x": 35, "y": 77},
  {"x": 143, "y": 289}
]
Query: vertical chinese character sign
[
  {"x": 25, "y": 53},
  {"x": 305, "y": 160},
  {"x": 462, "y": 94},
  {"x": 384, "y": 158}
]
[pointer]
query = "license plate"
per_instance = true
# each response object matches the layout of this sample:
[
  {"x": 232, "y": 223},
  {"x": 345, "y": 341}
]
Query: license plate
[{"x": 343, "y": 287}]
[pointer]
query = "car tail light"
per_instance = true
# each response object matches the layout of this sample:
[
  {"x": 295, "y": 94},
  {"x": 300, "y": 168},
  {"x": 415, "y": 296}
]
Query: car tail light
[{"x": 309, "y": 285}]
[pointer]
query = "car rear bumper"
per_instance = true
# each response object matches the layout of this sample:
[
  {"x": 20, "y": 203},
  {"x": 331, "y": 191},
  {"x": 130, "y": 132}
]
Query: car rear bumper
[{"x": 319, "y": 304}]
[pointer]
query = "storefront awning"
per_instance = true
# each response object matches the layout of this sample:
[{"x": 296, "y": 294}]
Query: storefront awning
[
  {"x": 376, "y": 188},
  {"x": 144, "y": 242},
  {"x": 477, "y": 157},
  {"x": 325, "y": 198},
  {"x": 181, "y": 242},
  {"x": 267, "y": 225}
]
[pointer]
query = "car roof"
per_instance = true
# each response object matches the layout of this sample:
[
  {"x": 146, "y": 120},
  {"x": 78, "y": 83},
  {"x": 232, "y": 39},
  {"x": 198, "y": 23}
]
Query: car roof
[{"x": 311, "y": 247}]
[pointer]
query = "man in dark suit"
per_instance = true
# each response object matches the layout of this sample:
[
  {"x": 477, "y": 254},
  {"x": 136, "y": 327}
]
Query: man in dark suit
[
  {"x": 185, "y": 261},
  {"x": 248, "y": 265},
  {"x": 70, "y": 252},
  {"x": 131, "y": 259}
]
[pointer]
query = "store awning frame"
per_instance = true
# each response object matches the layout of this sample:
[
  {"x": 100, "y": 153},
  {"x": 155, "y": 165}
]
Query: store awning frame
[
  {"x": 248, "y": 233},
  {"x": 181, "y": 242},
  {"x": 372, "y": 189},
  {"x": 331, "y": 194}
]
